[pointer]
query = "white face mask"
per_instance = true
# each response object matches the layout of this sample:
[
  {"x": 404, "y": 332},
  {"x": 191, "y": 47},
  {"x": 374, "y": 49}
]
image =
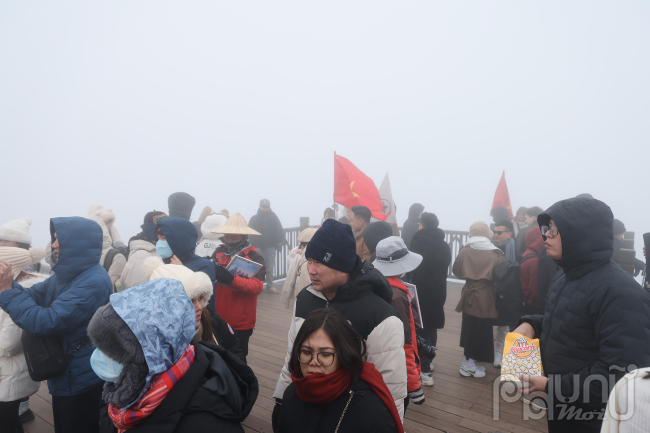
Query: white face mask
[{"x": 104, "y": 367}]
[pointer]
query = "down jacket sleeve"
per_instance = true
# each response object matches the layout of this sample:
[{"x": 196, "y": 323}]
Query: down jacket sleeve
[
  {"x": 9, "y": 336},
  {"x": 285, "y": 377},
  {"x": 134, "y": 273},
  {"x": 385, "y": 349},
  {"x": 70, "y": 310}
]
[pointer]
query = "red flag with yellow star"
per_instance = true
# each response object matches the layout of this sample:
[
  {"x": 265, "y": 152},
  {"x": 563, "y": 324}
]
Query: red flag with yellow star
[
  {"x": 501, "y": 196},
  {"x": 353, "y": 188}
]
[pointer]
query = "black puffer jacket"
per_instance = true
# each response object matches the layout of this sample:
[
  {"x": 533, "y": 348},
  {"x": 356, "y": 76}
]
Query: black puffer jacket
[
  {"x": 225, "y": 335},
  {"x": 411, "y": 225},
  {"x": 431, "y": 276},
  {"x": 597, "y": 318},
  {"x": 216, "y": 394},
  {"x": 365, "y": 413}
]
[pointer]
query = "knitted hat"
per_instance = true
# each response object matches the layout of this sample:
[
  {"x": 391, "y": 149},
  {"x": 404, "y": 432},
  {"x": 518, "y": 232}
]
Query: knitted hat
[
  {"x": 149, "y": 226},
  {"x": 195, "y": 283},
  {"x": 20, "y": 258},
  {"x": 334, "y": 246},
  {"x": 108, "y": 217},
  {"x": 480, "y": 228},
  {"x": 619, "y": 227},
  {"x": 17, "y": 231},
  {"x": 181, "y": 205},
  {"x": 376, "y": 232},
  {"x": 213, "y": 222}
]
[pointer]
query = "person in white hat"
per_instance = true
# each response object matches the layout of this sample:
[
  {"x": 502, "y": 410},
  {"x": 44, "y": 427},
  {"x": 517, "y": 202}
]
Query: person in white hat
[
  {"x": 15, "y": 384},
  {"x": 108, "y": 216},
  {"x": 235, "y": 297},
  {"x": 394, "y": 260},
  {"x": 209, "y": 326},
  {"x": 15, "y": 233},
  {"x": 210, "y": 241}
]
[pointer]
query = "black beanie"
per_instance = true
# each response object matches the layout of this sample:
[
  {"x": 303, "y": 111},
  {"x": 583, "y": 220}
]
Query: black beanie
[
  {"x": 619, "y": 227},
  {"x": 334, "y": 246},
  {"x": 181, "y": 205},
  {"x": 375, "y": 233}
]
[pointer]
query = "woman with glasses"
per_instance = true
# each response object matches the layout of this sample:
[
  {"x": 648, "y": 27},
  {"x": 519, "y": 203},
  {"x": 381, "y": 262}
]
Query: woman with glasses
[{"x": 333, "y": 389}]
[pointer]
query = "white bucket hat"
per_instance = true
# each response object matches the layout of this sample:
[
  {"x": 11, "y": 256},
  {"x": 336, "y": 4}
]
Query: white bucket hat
[{"x": 393, "y": 258}]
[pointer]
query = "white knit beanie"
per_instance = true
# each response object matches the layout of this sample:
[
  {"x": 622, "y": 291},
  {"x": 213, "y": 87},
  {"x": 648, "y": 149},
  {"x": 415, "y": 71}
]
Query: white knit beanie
[
  {"x": 17, "y": 231},
  {"x": 20, "y": 258},
  {"x": 195, "y": 283},
  {"x": 213, "y": 222}
]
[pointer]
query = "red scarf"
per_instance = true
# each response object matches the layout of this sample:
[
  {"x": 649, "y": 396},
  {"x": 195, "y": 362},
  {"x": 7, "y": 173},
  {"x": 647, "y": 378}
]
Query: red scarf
[
  {"x": 324, "y": 388},
  {"x": 160, "y": 387}
]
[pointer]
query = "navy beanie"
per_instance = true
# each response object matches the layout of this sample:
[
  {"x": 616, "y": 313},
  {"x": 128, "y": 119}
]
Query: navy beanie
[{"x": 334, "y": 246}]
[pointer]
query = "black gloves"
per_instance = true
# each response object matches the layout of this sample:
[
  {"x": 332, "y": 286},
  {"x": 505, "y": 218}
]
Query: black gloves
[
  {"x": 275, "y": 416},
  {"x": 223, "y": 276}
]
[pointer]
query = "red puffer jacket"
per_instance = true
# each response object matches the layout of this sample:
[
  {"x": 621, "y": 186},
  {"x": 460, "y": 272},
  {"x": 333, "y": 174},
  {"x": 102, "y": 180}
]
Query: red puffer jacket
[
  {"x": 237, "y": 303},
  {"x": 401, "y": 303}
]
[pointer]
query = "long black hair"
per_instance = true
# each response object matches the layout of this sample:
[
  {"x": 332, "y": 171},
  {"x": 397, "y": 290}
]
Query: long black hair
[{"x": 349, "y": 346}]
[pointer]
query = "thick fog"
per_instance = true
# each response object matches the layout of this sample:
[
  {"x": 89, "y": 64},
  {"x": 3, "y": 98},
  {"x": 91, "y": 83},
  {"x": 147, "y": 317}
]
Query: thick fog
[{"x": 122, "y": 103}]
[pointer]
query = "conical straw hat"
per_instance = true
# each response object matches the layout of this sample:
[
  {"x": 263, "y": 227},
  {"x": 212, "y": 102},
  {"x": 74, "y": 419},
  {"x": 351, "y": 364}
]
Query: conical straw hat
[{"x": 236, "y": 225}]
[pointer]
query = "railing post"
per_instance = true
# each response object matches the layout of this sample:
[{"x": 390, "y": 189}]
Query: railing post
[{"x": 304, "y": 223}]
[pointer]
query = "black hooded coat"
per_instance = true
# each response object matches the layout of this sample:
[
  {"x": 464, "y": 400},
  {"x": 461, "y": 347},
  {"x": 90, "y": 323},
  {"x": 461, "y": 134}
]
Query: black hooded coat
[
  {"x": 596, "y": 319},
  {"x": 411, "y": 225},
  {"x": 216, "y": 394},
  {"x": 430, "y": 277},
  {"x": 270, "y": 227}
]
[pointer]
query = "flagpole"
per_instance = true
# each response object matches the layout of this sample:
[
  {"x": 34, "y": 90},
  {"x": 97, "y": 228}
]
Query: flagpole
[{"x": 336, "y": 205}]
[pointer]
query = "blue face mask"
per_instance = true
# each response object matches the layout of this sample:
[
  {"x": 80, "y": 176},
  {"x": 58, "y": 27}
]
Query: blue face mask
[
  {"x": 163, "y": 249},
  {"x": 104, "y": 367}
]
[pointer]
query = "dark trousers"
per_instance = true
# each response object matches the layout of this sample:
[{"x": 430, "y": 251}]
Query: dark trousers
[
  {"x": 243, "y": 336},
  {"x": 9, "y": 417},
  {"x": 77, "y": 413},
  {"x": 430, "y": 335}
]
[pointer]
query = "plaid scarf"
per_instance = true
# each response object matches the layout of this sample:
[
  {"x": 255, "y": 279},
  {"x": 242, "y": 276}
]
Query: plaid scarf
[
  {"x": 234, "y": 248},
  {"x": 160, "y": 387}
]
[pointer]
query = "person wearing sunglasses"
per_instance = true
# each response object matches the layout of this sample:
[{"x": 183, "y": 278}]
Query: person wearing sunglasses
[
  {"x": 333, "y": 389},
  {"x": 596, "y": 323}
]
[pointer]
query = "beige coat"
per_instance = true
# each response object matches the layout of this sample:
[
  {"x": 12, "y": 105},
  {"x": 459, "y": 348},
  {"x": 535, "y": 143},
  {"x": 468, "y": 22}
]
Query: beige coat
[
  {"x": 15, "y": 382},
  {"x": 297, "y": 277},
  {"x": 134, "y": 273},
  {"x": 478, "y": 297},
  {"x": 119, "y": 261}
]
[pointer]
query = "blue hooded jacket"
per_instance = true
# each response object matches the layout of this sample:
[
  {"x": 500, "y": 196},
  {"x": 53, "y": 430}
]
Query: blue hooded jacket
[
  {"x": 79, "y": 286},
  {"x": 181, "y": 236}
]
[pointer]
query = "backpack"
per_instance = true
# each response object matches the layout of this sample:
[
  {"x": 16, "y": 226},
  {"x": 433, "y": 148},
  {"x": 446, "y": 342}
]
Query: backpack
[
  {"x": 108, "y": 261},
  {"x": 509, "y": 296}
]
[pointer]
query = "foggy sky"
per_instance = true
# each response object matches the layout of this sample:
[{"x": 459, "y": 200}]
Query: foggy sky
[{"x": 122, "y": 103}]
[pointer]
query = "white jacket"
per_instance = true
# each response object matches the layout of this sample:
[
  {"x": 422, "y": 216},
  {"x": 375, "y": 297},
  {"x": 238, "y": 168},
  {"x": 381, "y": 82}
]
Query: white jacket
[
  {"x": 297, "y": 277},
  {"x": 133, "y": 273},
  {"x": 627, "y": 407},
  {"x": 119, "y": 261},
  {"x": 15, "y": 382}
]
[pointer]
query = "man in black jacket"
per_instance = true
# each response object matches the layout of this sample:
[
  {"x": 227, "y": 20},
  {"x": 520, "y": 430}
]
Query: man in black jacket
[
  {"x": 596, "y": 323},
  {"x": 268, "y": 224}
]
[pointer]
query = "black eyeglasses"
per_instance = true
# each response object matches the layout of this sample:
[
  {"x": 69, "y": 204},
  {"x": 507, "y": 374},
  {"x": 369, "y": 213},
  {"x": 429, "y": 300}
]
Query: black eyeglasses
[
  {"x": 324, "y": 358},
  {"x": 553, "y": 231},
  {"x": 500, "y": 232}
]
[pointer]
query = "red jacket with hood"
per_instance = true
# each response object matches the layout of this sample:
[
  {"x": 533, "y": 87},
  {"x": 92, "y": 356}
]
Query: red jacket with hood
[
  {"x": 401, "y": 303},
  {"x": 528, "y": 268}
]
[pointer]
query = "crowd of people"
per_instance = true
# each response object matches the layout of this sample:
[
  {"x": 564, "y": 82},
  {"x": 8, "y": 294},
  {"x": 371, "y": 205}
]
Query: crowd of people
[{"x": 153, "y": 335}]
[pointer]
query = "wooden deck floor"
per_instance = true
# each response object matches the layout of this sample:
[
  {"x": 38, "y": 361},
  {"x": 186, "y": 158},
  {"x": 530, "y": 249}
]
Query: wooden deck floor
[{"x": 455, "y": 404}]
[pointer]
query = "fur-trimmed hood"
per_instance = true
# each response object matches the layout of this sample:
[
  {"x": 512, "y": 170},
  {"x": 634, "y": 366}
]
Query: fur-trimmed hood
[{"x": 195, "y": 283}]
